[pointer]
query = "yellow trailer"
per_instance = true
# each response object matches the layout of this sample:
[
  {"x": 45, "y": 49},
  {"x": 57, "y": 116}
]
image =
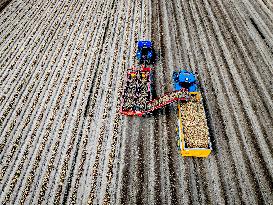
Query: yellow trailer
[{"x": 192, "y": 132}]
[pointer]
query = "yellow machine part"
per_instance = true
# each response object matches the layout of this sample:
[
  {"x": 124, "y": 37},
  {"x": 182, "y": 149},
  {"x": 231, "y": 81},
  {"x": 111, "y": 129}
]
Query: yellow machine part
[
  {"x": 189, "y": 152},
  {"x": 195, "y": 152},
  {"x": 197, "y": 96}
]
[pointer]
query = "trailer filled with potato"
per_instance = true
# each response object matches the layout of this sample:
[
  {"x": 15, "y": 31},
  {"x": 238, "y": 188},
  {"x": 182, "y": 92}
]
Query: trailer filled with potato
[{"x": 193, "y": 133}]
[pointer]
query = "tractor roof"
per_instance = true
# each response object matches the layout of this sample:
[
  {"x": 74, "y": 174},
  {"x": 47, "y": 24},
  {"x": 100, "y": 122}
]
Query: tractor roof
[
  {"x": 142, "y": 44},
  {"x": 185, "y": 76}
]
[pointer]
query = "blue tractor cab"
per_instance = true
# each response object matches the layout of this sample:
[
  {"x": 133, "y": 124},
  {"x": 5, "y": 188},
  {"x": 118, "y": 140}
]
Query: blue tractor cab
[
  {"x": 145, "y": 52},
  {"x": 185, "y": 79},
  {"x": 141, "y": 44}
]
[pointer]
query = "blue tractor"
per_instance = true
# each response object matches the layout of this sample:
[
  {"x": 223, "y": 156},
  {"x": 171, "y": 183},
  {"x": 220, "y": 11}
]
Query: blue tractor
[
  {"x": 185, "y": 79},
  {"x": 145, "y": 52}
]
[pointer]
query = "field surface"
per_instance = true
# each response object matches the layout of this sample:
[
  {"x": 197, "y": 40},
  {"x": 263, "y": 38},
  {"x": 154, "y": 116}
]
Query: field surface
[{"x": 63, "y": 141}]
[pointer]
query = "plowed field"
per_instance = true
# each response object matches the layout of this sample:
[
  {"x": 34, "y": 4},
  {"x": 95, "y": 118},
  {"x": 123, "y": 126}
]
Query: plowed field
[{"x": 63, "y": 141}]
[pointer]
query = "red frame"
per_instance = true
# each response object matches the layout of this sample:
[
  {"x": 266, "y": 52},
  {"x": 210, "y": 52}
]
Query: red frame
[
  {"x": 132, "y": 112},
  {"x": 140, "y": 113}
]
